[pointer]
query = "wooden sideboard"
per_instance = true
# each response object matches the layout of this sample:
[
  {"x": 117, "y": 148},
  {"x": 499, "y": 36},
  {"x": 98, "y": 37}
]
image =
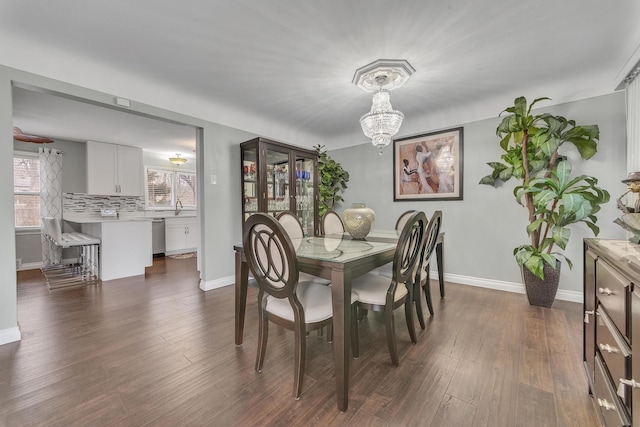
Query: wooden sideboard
[{"x": 611, "y": 327}]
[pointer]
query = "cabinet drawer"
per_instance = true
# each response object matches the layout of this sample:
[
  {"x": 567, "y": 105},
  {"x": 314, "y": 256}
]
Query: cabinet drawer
[
  {"x": 611, "y": 290},
  {"x": 613, "y": 413},
  {"x": 614, "y": 350}
]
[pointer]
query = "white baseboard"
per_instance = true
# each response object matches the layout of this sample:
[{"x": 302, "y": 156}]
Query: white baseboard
[
  {"x": 498, "y": 285},
  {"x": 30, "y": 266},
  {"x": 10, "y": 335},
  {"x": 518, "y": 288},
  {"x": 217, "y": 283}
]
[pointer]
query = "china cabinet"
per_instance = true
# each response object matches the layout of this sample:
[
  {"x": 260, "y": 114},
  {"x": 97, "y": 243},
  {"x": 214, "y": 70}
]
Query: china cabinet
[{"x": 279, "y": 177}]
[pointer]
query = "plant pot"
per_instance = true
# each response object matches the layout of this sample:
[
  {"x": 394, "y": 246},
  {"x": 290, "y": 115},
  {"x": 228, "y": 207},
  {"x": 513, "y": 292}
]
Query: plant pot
[
  {"x": 358, "y": 220},
  {"x": 542, "y": 293}
]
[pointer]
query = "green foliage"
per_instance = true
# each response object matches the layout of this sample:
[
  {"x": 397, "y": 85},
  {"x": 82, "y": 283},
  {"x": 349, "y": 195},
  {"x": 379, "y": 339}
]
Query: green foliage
[
  {"x": 332, "y": 180},
  {"x": 553, "y": 199}
]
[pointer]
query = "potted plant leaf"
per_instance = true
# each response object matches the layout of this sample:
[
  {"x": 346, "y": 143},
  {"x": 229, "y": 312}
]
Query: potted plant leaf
[
  {"x": 532, "y": 146},
  {"x": 332, "y": 180}
]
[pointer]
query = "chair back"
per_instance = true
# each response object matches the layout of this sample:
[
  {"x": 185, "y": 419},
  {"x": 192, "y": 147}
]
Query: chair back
[
  {"x": 409, "y": 248},
  {"x": 52, "y": 228},
  {"x": 331, "y": 223},
  {"x": 291, "y": 224},
  {"x": 270, "y": 255},
  {"x": 431, "y": 237},
  {"x": 402, "y": 219}
]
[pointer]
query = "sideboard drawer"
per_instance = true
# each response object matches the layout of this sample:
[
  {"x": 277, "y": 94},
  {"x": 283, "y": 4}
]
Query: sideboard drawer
[
  {"x": 614, "y": 350},
  {"x": 612, "y": 289},
  {"x": 613, "y": 413}
]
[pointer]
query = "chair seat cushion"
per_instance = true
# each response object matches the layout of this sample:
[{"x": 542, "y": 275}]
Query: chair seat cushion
[
  {"x": 372, "y": 289},
  {"x": 315, "y": 299},
  {"x": 305, "y": 277}
]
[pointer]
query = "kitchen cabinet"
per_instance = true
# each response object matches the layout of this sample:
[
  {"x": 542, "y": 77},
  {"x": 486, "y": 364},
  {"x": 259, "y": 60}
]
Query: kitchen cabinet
[
  {"x": 278, "y": 177},
  {"x": 612, "y": 328},
  {"x": 181, "y": 235},
  {"x": 114, "y": 170}
]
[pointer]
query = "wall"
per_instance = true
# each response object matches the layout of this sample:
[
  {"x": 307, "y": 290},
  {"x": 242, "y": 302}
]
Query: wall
[{"x": 482, "y": 229}]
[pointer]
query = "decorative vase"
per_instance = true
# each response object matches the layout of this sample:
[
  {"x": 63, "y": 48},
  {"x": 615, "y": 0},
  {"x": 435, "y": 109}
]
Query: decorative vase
[
  {"x": 542, "y": 292},
  {"x": 358, "y": 220}
]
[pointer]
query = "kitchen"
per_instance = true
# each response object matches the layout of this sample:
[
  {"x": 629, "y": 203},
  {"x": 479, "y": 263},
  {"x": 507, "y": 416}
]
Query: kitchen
[{"x": 141, "y": 203}]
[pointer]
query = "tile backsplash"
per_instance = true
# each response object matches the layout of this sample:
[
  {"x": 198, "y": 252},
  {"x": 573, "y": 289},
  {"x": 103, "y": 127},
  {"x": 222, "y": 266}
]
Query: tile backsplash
[{"x": 90, "y": 204}]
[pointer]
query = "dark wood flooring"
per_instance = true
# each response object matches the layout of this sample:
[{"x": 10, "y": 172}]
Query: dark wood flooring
[{"x": 155, "y": 350}]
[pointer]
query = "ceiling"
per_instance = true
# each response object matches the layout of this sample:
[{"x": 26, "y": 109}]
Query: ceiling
[{"x": 272, "y": 66}]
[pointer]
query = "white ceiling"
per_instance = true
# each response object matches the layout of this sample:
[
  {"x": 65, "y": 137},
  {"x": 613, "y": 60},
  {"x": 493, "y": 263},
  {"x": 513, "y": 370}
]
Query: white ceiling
[{"x": 268, "y": 65}]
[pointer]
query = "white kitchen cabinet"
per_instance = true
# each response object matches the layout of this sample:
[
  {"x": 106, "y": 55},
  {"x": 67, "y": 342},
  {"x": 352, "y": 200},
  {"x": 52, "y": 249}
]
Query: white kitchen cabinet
[
  {"x": 114, "y": 170},
  {"x": 181, "y": 235}
]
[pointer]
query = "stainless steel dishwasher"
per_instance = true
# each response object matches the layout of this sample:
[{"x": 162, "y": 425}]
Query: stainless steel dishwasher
[{"x": 157, "y": 236}]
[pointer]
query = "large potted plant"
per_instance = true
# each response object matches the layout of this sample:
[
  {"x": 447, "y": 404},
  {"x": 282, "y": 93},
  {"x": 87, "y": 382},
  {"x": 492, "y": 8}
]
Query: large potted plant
[
  {"x": 332, "y": 180},
  {"x": 532, "y": 146}
]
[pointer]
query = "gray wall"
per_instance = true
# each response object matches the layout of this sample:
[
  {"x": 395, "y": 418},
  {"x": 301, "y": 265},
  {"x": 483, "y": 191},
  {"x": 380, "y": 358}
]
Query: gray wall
[{"x": 482, "y": 229}]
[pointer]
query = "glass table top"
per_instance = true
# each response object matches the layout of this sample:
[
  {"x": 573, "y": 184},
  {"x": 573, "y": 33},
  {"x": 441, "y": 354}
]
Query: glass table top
[{"x": 338, "y": 249}]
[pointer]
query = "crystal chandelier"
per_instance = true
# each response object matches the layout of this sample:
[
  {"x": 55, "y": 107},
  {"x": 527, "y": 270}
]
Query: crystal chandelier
[{"x": 379, "y": 77}]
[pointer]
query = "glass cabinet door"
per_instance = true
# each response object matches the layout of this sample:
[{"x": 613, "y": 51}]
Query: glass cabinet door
[
  {"x": 278, "y": 193},
  {"x": 250, "y": 189},
  {"x": 305, "y": 193}
]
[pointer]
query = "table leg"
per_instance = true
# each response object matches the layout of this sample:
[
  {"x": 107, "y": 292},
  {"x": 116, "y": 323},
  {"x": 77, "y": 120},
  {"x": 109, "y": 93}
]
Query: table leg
[
  {"x": 341, "y": 299},
  {"x": 440, "y": 260},
  {"x": 242, "y": 277}
]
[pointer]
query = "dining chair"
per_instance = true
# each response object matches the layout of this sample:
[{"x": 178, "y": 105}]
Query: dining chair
[
  {"x": 379, "y": 293},
  {"x": 331, "y": 224},
  {"x": 422, "y": 280},
  {"x": 294, "y": 230},
  {"x": 282, "y": 298},
  {"x": 386, "y": 269}
]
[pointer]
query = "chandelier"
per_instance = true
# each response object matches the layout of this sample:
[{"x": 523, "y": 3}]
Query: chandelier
[{"x": 379, "y": 78}]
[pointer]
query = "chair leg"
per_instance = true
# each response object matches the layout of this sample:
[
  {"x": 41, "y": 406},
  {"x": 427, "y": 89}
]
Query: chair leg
[
  {"x": 427, "y": 293},
  {"x": 408, "y": 314},
  {"x": 300, "y": 357},
  {"x": 330, "y": 333},
  {"x": 391, "y": 335},
  {"x": 263, "y": 335},
  {"x": 355, "y": 339},
  {"x": 417, "y": 298}
]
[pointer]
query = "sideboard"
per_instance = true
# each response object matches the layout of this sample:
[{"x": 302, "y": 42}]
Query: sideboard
[{"x": 612, "y": 328}]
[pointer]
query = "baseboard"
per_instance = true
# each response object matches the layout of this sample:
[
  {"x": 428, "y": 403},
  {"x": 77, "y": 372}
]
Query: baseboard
[
  {"x": 217, "y": 283},
  {"x": 10, "y": 335},
  {"x": 518, "y": 288},
  {"x": 498, "y": 285},
  {"x": 30, "y": 266}
]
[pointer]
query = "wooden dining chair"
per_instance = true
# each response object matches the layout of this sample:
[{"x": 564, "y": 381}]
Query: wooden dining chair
[
  {"x": 294, "y": 230},
  {"x": 379, "y": 293},
  {"x": 422, "y": 280},
  {"x": 282, "y": 297},
  {"x": 331, "y": 224},
  {"x": 386, "y": 270}
]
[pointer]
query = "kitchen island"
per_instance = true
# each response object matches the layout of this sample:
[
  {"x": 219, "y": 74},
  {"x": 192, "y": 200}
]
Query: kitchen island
[{"x": 125, "y": 248}]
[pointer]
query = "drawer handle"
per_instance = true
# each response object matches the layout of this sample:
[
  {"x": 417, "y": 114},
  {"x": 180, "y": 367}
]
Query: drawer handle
[
  {"x": 587, "y": 314},
  {"x": 605, "y": 291},
  {"x": 606, "y": 405},
  {"x": 631, "y": 383},
  {"x": 608, "y": 348}
]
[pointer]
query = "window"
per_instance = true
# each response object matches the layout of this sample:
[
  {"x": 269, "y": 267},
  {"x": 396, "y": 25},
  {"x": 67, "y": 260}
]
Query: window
[
  {"x": 165, "y": 187},
  {"x": 26, "y": 190}
]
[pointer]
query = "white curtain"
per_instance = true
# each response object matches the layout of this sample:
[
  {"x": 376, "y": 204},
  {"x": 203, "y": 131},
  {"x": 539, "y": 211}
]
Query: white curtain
[{"x": 50, "y": 198}]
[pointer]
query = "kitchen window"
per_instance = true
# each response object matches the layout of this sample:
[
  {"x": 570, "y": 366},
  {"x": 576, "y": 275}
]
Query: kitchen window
[
  {"x": 164, "y": 187},
  {"x": 26, "y": 190}
]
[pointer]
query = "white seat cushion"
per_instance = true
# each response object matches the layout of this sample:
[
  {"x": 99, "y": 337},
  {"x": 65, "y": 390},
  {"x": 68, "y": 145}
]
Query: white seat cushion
[
  {"x": 315, "y": 299},
  {"x": 372, "y": 289},
  {"x": 385, "y": 270},
  {"x": 304, "y": 277}
]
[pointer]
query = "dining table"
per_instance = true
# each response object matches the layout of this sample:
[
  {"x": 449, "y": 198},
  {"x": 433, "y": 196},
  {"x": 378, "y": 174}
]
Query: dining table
[{"x": 340, "y": 259}]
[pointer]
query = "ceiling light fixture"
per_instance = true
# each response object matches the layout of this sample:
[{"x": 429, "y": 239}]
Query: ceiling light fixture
[
  {"x": 177, "y": 160},
  {"x": 380, "y": 77}
]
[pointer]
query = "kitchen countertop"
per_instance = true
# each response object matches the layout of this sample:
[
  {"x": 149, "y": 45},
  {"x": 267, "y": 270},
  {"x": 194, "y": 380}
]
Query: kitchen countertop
[{"x": 80, "y": 218}]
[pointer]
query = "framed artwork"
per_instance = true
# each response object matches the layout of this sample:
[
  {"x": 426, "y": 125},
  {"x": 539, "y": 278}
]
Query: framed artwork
[{"x": 428, "y": 166}]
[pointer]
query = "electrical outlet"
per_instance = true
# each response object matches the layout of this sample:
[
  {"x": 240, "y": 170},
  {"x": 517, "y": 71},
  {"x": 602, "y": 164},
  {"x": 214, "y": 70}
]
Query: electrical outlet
[{"x": 214, "y": 179}]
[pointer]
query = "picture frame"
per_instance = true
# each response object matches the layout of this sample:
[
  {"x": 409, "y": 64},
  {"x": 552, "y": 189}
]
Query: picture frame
[{"x": 428, "y": 166}]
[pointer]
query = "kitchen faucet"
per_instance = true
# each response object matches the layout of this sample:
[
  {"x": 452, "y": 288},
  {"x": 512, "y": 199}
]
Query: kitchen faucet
[{"x": 178, "y": 209}]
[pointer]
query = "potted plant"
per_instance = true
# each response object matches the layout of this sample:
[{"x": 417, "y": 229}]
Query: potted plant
[
  {"x": 553, "y": 199},
  {"x": 332, "y": 180}
]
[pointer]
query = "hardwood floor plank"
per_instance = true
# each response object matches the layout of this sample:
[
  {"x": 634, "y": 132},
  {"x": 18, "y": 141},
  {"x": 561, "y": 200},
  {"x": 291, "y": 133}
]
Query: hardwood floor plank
[{"x": 156, "y": 350}]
